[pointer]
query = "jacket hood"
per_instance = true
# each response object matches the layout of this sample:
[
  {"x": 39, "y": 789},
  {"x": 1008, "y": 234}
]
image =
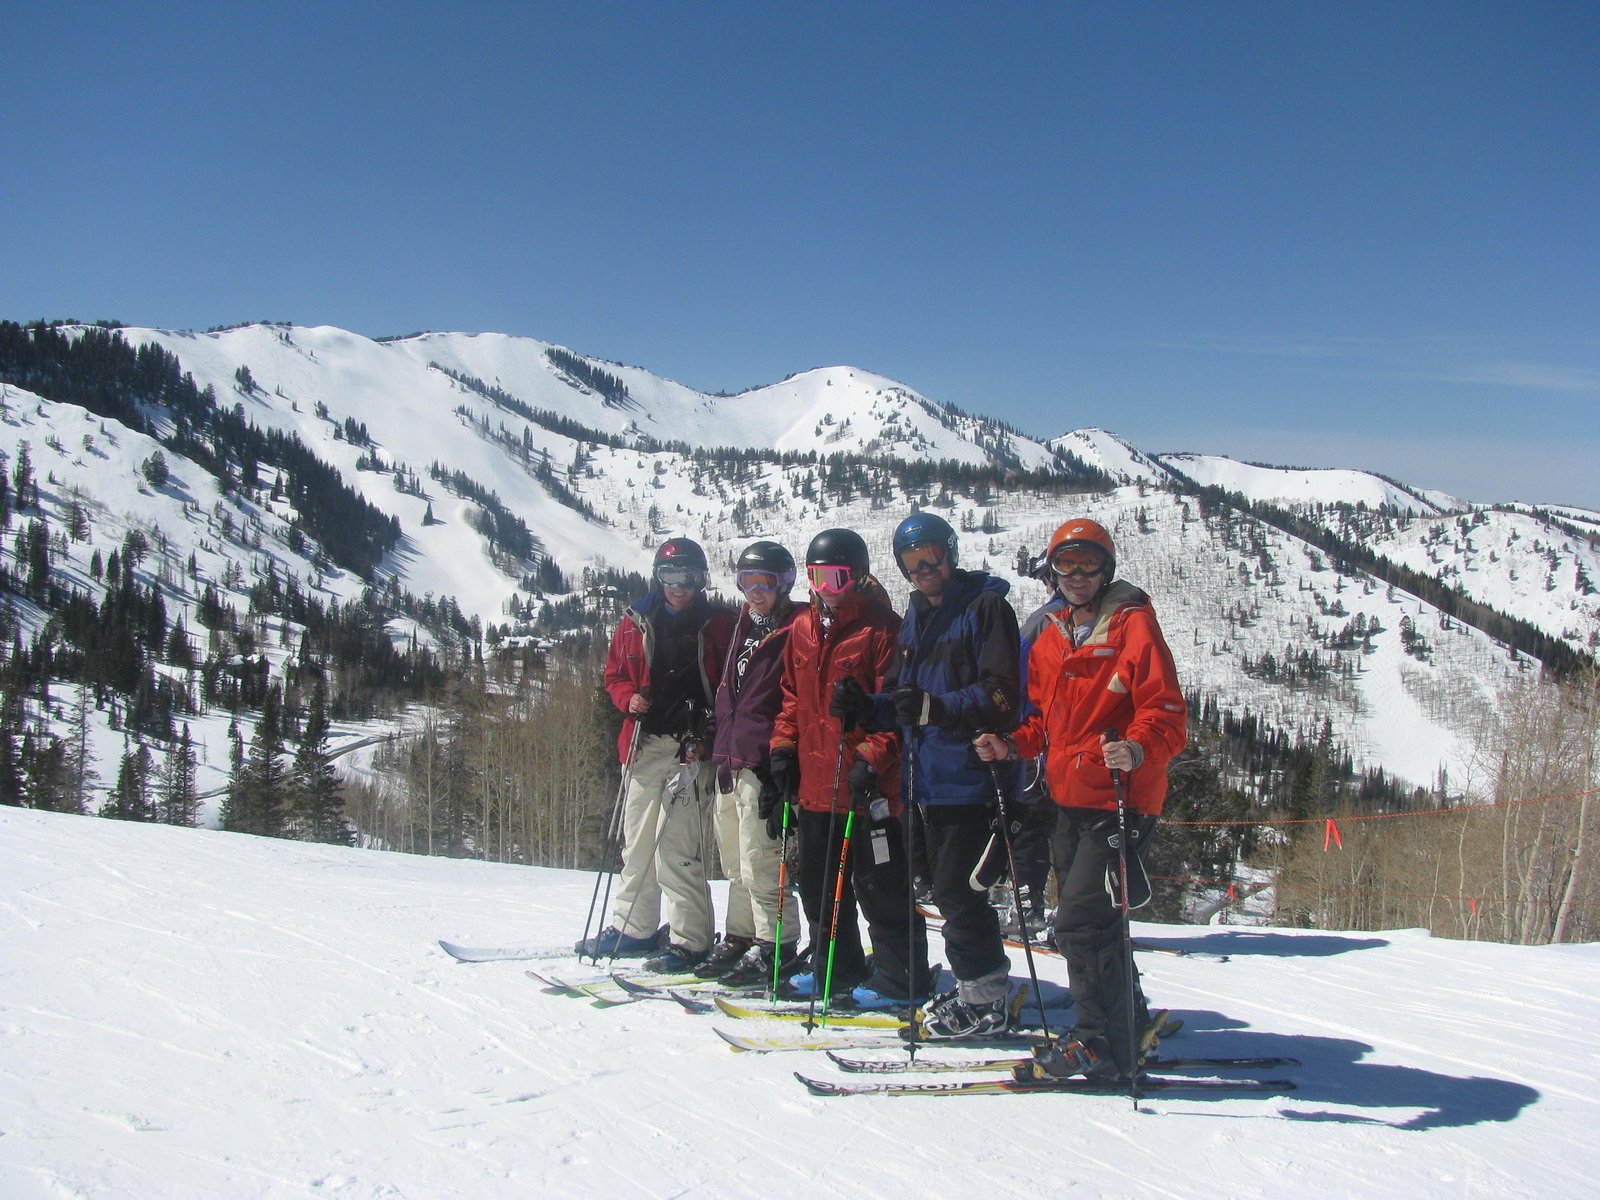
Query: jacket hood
[
  {"x": 963, "y": 588},
  {"x": 869, "y": 593},
  {"x": 651, "y": 603},
  {"x": 1120, "y": 595}
]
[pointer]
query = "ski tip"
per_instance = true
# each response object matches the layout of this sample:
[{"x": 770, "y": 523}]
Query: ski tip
[
  {"x": 628, "y": 985},
  {"x": 819, "y": 1087},
  {"x": 690, "y": 1003}
]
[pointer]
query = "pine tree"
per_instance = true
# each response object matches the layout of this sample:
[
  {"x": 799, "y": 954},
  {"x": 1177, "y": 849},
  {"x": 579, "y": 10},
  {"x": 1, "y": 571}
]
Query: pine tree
[
  {"x": 318, "y": 798},
  {"x": 131, "y": 799},
  {"x": 45, "y": 773},
  {"x": 233, "y": 799},
  {"x": 25, "y": 489},
  {"x": 265, "y": 783},
  {"x": 180, "y": 802},
  {"x": 11, "y": 790}
]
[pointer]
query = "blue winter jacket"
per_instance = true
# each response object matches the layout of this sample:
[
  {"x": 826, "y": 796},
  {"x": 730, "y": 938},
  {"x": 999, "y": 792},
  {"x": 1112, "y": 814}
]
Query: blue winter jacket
[{"x": 965, "y": 651}]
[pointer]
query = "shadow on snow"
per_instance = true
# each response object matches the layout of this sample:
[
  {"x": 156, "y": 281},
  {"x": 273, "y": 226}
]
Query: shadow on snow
[
  {"x": 1229, "y": 943},
  {"x": 1333, "y": 1073}
]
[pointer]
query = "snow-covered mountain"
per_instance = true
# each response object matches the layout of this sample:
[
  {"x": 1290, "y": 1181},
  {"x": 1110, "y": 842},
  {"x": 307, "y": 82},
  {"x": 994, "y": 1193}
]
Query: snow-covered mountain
[
  {"x": 1307, "y": 486},
  {"x": 602, "y": 461}
]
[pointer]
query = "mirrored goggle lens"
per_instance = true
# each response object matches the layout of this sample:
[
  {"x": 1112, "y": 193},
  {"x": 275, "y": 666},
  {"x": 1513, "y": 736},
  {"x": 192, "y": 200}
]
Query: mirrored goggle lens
[
  {"x": 756, "y": 581},
  {"x": 680, "y": 577},
  {"x": 1077, "y": 562},
  {"x": 830, "y": 579},
  {"x": 926, "y": 557}
]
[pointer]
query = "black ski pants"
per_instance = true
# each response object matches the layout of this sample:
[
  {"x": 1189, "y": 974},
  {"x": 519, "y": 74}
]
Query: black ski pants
[
  {"x": 1088, "y": 928},
  {"x": 1036, "y": 813},
  {"x": 882, "y": 889},
  {"x": 957, "y": 835}
]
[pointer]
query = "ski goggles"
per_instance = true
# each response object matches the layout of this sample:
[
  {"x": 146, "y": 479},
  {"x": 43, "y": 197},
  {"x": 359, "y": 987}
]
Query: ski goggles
[
  {"x": 680, "y": 577},
  {"x": 925, "y": 556},
  {"x": 756, "y": 581},
  {"x": 1073, "y": 560},
  {"x": 831, "y": 580}
]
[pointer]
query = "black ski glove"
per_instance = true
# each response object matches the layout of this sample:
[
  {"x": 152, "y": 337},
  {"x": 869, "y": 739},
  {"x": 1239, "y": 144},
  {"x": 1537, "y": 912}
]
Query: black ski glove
[
  {"x": 1140, "y": 829},
  {"x": 850, "y": 704},
  {"x": 783, "y": 768},
  {"x": 863, "y": 783},
  {"x": 913, "y": 706},
  {"x": 782, "y": 780},
  {"x": 771, "y": 808}
]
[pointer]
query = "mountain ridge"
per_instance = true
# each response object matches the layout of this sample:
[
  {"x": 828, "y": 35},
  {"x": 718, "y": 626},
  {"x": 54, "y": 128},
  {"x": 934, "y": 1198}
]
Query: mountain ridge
[{"x": 1241, "y": 599}]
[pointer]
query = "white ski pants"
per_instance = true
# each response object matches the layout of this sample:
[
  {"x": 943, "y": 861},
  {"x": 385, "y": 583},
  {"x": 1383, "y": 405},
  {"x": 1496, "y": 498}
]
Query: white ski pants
[
  {"x": 751, "y": 859},
  {"x": 662, "y": 840}
]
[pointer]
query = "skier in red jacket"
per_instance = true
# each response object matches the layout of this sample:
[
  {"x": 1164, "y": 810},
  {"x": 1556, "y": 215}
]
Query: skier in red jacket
[
  {"x": 662, "y": 671},
  {"x": 1099, "y": 664},
  {"x": 849, "y": 630}
]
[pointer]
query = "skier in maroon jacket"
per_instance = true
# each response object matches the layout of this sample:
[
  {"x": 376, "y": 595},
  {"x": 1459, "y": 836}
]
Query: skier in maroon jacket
[{"x": 762, "y": 924}]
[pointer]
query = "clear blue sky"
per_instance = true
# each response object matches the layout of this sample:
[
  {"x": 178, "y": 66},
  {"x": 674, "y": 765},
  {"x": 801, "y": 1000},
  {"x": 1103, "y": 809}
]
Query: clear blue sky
[{"x": 1343, "y": 234}]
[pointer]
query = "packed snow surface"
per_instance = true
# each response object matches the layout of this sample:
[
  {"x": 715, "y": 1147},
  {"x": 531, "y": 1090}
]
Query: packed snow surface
[{"x": 189, "y": 1014}]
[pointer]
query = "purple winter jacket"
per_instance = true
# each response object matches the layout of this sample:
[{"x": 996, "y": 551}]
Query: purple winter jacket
[{"x": 745, "y": 707}]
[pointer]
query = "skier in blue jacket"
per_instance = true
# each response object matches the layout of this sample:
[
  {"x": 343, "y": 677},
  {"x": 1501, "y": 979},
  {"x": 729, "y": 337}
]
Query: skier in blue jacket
[{"x": 956, "y": 675}]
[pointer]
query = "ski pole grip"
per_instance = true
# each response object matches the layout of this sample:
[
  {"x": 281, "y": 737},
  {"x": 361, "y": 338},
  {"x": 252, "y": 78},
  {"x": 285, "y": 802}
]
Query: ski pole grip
[{"x": 1111, "y": 735}]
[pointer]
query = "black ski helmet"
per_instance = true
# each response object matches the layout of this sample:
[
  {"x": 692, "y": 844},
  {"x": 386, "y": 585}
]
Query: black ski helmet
[
  {"x": 681, "y": 554},
  {"x": 768, "y": 556},
  {"x": 839, "y": 548},
  {"x": 924, "y": 529}
]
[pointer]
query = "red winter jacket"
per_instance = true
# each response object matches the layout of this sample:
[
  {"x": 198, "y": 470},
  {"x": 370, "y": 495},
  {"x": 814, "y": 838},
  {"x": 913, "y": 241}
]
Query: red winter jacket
[
  {"x": 633, "y": 644},
  {"x": 861, "y": 643},
  {"x": 1121, "y": 678}
]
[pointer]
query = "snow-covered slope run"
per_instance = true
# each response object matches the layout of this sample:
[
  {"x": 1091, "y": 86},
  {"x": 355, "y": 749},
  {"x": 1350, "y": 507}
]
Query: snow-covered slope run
[{"x": 189, "y": 1015}]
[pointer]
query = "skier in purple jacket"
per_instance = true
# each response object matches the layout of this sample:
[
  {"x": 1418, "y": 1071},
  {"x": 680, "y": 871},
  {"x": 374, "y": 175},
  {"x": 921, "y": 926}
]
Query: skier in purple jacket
[{"x": 749, "y": 835}]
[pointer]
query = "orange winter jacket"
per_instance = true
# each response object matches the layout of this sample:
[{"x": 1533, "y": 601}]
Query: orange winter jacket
[
  {"x": 1121, "y": 678},
  {"x": 861, "y": 643}
]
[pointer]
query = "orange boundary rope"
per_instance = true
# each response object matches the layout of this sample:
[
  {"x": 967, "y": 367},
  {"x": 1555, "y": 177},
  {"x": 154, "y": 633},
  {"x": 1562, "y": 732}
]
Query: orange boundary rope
[{"x": 1421, "y": 812}]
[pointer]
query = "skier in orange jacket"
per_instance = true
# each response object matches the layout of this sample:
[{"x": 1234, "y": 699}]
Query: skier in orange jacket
[{"x": 1104, "y": 697}]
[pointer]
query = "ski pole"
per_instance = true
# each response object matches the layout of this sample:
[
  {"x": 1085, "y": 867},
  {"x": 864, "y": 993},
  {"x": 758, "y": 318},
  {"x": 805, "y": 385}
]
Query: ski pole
[
  {"x": 1111, "y": 735},
  {"x": 838, "y": 892},
  {"x": 783, "y": 883},
  {"x": 1022, "y": 920},
  {"x": 613, "y": 840},
  {"x": 914, "y": 1032},
  {"x": 833, "y": 921}
]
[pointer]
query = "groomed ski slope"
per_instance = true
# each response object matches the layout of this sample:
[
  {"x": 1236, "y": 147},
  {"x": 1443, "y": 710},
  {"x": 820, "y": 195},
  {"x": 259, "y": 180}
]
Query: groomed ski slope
[{"x": 188, "y": 1014}]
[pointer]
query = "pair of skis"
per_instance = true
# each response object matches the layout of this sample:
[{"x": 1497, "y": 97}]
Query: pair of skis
[
  {"x": 1157, "y": 1074},
  {"x": 1078, "y": 1084},
  {"x": 487, "y": 954}
]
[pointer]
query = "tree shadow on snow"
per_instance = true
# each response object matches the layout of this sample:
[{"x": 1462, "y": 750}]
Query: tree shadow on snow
[
  {"x": 1231, "y": 942},
  {"x": 1332, "y": 1072}
]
